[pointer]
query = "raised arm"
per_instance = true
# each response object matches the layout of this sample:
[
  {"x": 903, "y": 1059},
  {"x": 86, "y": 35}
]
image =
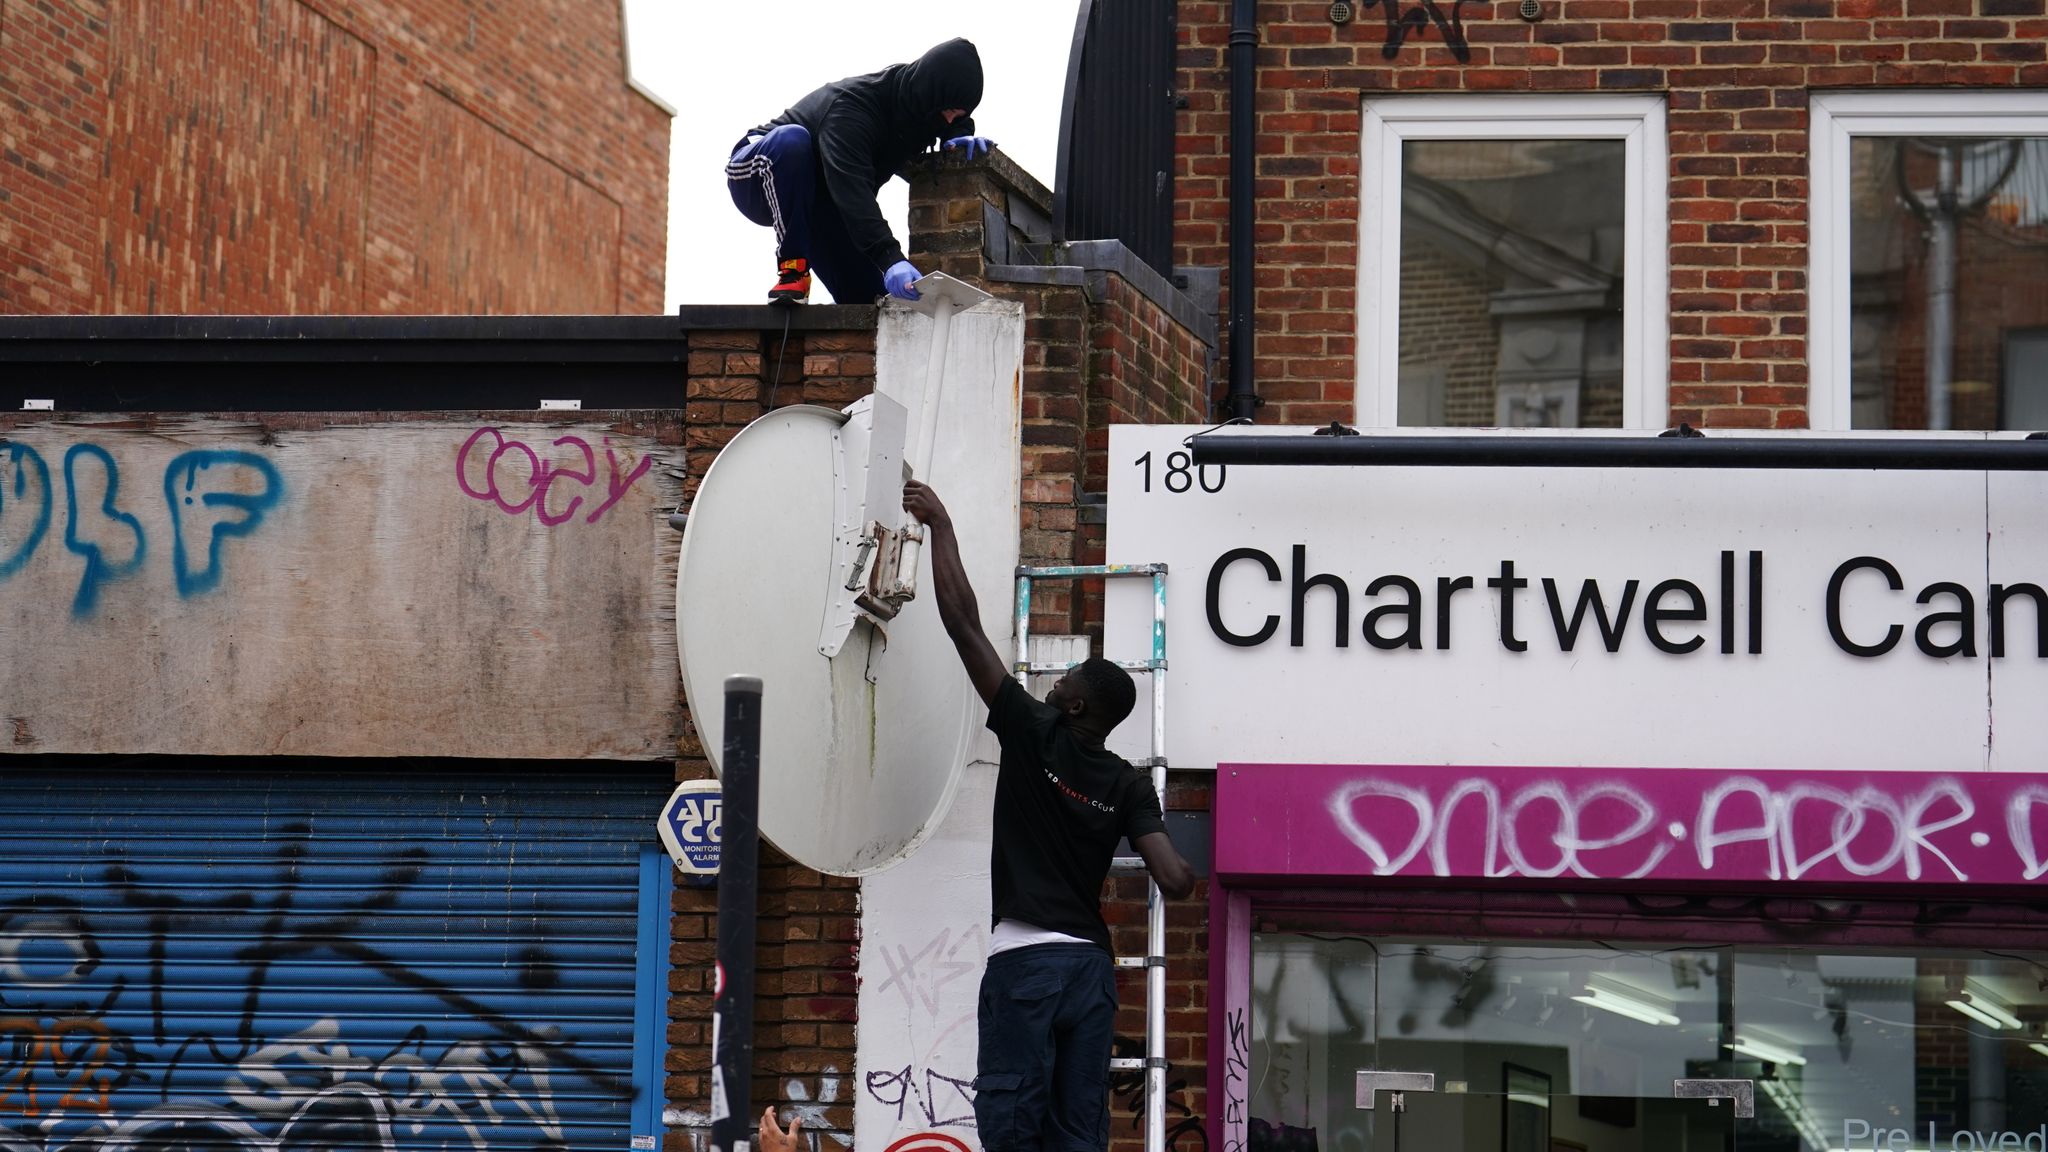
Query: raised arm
[
  {"x": 957, "y": 607},
  {"x": 1175, "y": 879}
]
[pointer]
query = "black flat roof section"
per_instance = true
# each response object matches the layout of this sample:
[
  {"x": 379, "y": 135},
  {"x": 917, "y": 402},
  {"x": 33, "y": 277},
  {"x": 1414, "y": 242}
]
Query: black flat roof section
[{"x": 371, "y": 363}]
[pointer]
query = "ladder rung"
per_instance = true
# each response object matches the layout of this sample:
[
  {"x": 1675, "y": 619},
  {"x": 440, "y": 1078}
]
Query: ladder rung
[
  {"x": 1127, "y": 864},
  {"x": 1151, "y": 762},
  {"x": 1141, "y": 961},
  {"x": 1037, "y": 668},
  {"x": 1083, "y": 571},
  {"x": 1126, "y": 1063}
]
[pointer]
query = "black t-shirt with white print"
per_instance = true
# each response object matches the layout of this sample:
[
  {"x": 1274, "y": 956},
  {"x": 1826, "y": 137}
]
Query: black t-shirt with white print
[{"x": 1060, "y": 810}]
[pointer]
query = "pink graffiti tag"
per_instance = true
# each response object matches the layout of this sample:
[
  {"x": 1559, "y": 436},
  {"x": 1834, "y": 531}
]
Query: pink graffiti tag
[{"x": 542, "y": 473}]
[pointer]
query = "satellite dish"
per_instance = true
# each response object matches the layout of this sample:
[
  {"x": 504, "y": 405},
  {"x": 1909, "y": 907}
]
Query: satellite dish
[{"x": 798, "y": 566}]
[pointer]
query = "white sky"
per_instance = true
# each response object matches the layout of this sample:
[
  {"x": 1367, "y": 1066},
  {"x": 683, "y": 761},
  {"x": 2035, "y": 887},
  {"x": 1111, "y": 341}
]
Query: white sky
[{"x": 726, "y": 67}]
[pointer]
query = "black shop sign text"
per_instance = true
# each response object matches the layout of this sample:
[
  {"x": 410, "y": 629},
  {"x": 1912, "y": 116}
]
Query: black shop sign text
[{"x": 1397, "y": 611}]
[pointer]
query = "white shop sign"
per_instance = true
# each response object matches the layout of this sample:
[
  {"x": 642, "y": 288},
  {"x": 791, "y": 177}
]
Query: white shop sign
[{"x": 1652, "y": 618}]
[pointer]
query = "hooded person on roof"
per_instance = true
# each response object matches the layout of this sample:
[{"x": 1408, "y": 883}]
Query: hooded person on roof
[{"x": 812, "y": 172}]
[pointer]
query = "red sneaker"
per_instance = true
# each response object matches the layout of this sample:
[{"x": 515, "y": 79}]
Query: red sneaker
[{"x": 793, "y": 284}]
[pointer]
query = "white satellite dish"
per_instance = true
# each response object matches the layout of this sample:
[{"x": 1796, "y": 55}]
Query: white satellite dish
[{"x": 796, "y": 567}]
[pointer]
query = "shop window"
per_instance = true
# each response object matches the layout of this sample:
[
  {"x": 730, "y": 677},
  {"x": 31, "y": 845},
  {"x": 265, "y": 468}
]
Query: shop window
[
  {"x": 1575, "y": 1047},
  {"x": 1512, "y": 262},
  {"x": 1929, "y": 281}
]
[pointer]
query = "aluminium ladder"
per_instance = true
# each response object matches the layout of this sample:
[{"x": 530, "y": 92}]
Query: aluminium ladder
[{"x": 1154, "y": 959}]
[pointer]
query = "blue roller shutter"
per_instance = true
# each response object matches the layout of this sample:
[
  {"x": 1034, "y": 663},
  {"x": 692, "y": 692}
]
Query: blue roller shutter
[{"x": 277, "y": 956}]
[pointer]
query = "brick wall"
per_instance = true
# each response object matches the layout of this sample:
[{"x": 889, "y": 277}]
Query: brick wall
[
  {"x": 1055, "y": 442},
  {"x": 808, "y": 926},
  {"x": 326, "y": 156},
  {"x": 1736, "y": 74},
  {"x": 1143, "y": 368}
]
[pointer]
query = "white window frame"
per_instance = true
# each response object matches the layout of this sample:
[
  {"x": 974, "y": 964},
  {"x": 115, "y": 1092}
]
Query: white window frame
[
  {"x": 1834, "y": 118},
  {"x": 1637, "y": 120}
]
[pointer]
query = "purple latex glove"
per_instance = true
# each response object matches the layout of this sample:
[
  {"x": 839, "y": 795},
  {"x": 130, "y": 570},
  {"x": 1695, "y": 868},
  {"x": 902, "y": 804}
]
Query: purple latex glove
[
  {"x": 899, "y": 278},
  {"x": 977, "y": 146}
]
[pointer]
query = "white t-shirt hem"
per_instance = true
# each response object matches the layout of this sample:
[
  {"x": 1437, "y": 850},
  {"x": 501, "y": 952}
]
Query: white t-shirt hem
[{"x": 1013, "y": 934}]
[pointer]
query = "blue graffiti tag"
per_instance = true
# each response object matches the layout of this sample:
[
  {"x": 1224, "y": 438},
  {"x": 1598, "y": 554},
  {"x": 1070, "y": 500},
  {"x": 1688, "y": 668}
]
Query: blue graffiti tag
[
  {"x": 24, "y": 458},
  {"x": 186, "y": 469},
  {"x": 97, "y": 570}
]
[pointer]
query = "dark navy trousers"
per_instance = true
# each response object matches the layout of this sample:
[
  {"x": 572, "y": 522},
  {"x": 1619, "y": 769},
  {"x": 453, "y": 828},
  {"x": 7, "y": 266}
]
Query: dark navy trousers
[
  {"x": 774, "y": 182},
  {"x": 1047, "y": 1020}
]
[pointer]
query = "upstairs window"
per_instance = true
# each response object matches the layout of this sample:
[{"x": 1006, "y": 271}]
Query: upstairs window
[
  {"x": 1512, "y": 262},
  {"x": 1929, "y": 277}
]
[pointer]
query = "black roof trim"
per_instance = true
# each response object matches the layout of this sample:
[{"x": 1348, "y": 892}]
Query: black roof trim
[{"x": 49, "y": 339}]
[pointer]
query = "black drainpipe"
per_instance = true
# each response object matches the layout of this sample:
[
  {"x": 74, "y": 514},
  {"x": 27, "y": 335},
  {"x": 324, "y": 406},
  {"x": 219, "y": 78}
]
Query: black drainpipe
[{"x": 1244, "y": 41}]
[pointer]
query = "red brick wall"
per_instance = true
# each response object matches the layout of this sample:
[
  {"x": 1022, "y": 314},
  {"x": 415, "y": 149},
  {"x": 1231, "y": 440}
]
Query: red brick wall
[
  {"x": 807, "y": 934},
  {"x": 1143, "y": 368},
  {"x": 321, "y": 156},
  {"x": 501, "y": 229},
  {"x": 1736, "y": 74},
  {"x": 53, "y": 68},
  {"x": 1055, "y": 443}
]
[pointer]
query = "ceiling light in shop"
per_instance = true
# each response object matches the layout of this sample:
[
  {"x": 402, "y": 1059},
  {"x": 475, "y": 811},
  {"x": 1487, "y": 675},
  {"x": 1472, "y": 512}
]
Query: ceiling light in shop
[
  {"x": 2039, "y": 1047},
  {"x": 1633, "y": 1007},
  {"x": 1760, "y": 1049},
  {"x": 1986, "y": 1010}
]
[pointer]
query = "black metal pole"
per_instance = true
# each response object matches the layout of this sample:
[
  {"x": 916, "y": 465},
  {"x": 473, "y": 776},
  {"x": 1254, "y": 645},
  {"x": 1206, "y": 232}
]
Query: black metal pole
[
  {"x": 1622, "y": 452},
  {"x": 732, "y": 1012},
  {"x": 1244, "y": 84}
]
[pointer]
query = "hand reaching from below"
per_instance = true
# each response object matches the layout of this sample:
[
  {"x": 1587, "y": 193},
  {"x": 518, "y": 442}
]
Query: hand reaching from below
[{"x": 771, "y": 1136}]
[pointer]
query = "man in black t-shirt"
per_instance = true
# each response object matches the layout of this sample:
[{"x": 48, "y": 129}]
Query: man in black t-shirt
[{"x": 1048, "y": 996}]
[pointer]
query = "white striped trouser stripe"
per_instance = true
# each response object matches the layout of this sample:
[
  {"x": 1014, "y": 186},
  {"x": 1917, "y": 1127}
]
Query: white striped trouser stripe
[{"x": 763, "y": 168}]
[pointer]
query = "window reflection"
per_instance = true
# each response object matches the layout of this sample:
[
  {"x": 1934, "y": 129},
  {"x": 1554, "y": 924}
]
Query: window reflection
[
  {"x": 1949, "y": 289},
  {"x": 1573, "y": 1048},
  {"x": 1511, "y": 282}
]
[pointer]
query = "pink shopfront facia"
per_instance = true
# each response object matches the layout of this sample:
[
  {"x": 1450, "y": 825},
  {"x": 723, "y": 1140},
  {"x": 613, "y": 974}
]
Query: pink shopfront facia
[
  {"x": 1282, "y": 827},
  {"x": 1318, "y": 823}
]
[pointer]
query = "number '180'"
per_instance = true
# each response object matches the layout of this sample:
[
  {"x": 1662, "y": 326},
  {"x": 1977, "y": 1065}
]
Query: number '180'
[{"x": 1180, "y": 474}]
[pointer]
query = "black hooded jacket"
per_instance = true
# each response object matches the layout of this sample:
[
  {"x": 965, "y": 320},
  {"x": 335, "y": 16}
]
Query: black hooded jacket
[{"x": 864, "y": 129}]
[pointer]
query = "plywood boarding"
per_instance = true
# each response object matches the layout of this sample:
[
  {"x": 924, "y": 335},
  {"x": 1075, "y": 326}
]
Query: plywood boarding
[{"x": 420, "y": 589}]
